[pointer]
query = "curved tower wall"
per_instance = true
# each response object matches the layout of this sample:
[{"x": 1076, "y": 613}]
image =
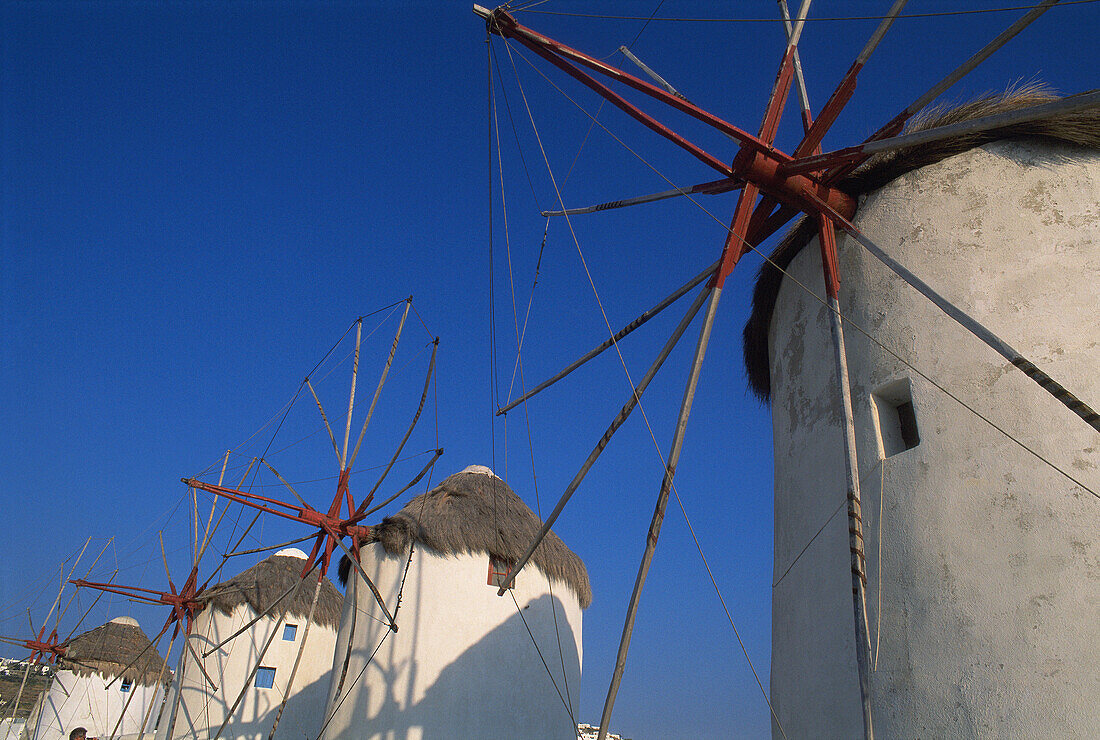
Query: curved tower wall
[
  {"x": 86, "y": 701},
  {"x": 202, "y": 708},
  {"x": 987, "y": 619},
  {"x": 462, "y": 663}
]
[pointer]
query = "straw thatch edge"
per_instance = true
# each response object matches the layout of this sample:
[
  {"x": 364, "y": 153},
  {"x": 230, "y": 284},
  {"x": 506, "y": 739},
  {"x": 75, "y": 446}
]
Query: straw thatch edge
[
  {"x": 108, "y": 651},
  {"x": 476, "y": 513},
  {"x": 1079, "y": 129},
  {"x": 263, "y": 583}
]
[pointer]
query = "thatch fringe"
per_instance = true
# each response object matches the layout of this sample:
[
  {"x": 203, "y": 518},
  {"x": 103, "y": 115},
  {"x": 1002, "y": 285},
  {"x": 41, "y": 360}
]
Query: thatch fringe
[
  {"x": 1079, "y": 129},
  {"x": 263, "y": 583},
  {"x": 478, "y": 513},
  {"x": 109, "y": 649}
]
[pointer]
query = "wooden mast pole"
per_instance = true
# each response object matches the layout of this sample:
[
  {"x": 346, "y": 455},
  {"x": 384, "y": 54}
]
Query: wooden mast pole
[
  {"x": 620, "y": 419},
  {"x": 160, "y": 677},
  {"x": 133, "y": 692},
  {"x": 736, "y": 245},
  {"x": 659, "y": 510},
  {"x": 297, "y": 658},
  {"x": 851, "y": 473},
  {"x": 19, "y": 696},
  {"x": 831, "y": 269},
  {"x": 180, "y": 674},
  {"x": 187, "y": 647}
]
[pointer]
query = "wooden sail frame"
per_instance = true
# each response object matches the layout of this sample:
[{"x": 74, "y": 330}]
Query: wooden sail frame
[
  {"x": 773, "y": 176},
  {"x": 334, "y": 525},
  {"x": 761, "y": 171}
]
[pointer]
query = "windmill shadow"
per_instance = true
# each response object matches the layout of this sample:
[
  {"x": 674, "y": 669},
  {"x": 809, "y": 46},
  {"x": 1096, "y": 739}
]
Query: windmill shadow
[
  {"x": 254, "y": 717},
  {"x": 478, "y": 695}
]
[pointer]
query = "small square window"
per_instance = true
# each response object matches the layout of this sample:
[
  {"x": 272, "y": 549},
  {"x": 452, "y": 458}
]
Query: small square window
[
  {"x": 895, "y": 418},
  {"x": 265, "y": 678},
  {"x": 289, "y": 632},
  {"x": 126, "y": 685},
  {"x": 498, "y": 571}
]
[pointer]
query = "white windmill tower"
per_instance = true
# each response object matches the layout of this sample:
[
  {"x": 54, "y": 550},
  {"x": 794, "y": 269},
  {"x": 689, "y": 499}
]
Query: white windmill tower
[
  {"x": 465, "y": 662},
  {"x": 262, "y": 646},
  {"x": 977, "y": 522},
  {"x": 1003, "y": 234},
  {"x": 108, "y": 680}
]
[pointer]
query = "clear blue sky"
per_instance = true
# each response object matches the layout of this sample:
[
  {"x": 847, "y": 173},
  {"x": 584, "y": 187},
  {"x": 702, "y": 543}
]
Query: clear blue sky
[{"x": 198, "y": 198}]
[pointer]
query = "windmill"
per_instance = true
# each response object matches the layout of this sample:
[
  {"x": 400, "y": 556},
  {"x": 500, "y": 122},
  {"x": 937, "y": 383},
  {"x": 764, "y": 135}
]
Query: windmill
[
  {"x": 774, "y": 188},
  {"x": 332, "y": 526},
  {"x": 50, "y": 648},
  {"x": 185, "y": 602},
  {"x": 79, "y": 695},
  {"x": 47, "y": 649},
  {"x": 340, "y": 521}
]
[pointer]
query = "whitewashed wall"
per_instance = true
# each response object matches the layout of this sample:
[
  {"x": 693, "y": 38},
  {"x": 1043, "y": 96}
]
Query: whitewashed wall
[
  {"x": 990, "y": 560},
  {"x": 462, "y": 664},
  {"x": 85, "y": 701},
  {"x": 11, "y": 728},
  {"x": 202, "y": 709}
]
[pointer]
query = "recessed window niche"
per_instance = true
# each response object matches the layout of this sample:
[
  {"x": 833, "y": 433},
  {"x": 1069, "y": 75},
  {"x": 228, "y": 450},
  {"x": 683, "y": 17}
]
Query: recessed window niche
[
  {"x": 895, "y": 417},
  {"x": 498, "y": 571}
]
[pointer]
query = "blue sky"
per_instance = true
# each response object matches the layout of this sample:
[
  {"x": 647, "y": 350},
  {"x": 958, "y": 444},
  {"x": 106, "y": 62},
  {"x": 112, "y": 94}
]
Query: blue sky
[{"x": 197, "y": 199}]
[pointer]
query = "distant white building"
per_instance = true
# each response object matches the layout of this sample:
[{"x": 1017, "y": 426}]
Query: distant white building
[
  {"x": 95, "y": 686},
  {"x": 591, "y": 732},
  {"x": 462, "y": 664},
  {"x": 231, "y": 605}
]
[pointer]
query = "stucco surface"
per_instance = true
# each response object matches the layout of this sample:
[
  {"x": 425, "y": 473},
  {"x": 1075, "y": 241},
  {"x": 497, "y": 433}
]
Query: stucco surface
[
  {"x": 983, "y": 561},
  {"x": 462, "y": 663},
  {"x": 86, "y": 701},
  {"x": 203, "y": 708}
]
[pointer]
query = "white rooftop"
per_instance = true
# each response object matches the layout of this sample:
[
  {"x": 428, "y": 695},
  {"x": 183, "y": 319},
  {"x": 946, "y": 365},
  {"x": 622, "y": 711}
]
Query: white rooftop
[{"x": 480, "y": 470}]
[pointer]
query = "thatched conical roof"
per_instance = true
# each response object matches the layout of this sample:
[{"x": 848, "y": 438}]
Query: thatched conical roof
[
  {"x": 1079, "y": 129},
  {"x": 110, "y": 649},
  {"x": 263, "y": 583},
  {"x": 476, "y": 512}
]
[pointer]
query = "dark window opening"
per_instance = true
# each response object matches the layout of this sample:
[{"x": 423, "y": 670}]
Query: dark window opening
[
  {"x": 895, "y": 417},
  {"x": 907, "y": 425}
]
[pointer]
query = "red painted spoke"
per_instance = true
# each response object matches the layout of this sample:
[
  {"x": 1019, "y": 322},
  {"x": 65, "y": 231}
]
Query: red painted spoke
[
  {"x": 735, "y": 239},
  {"x": 758, "y": 162},
  {"x": 622, "y": 104},
  {"x": 131, "y": 591},
  {"x": 503, "y": 24},
  {"x": 184, "y": 604},
  {"x": 829, "y": 113},
  {"x": 250, "y": 499},
  {"x": 843, "y": 92},
  {"x": 778, "y": 100}
]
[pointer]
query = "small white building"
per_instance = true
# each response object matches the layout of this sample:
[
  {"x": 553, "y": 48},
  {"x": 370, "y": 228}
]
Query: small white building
[
  {"x": 464, "y": 662},
  {"x": 203, "y": 707},
  {"x": 95, "y": 686},
  {"x": 982, "y": 592}
]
